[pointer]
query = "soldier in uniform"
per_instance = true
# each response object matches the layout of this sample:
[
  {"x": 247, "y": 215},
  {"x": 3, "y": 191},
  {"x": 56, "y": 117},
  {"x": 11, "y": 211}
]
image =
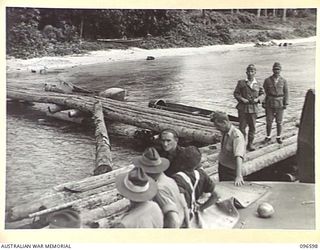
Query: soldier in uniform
[
  {"x": 248, "y": 93},
  {"x": 276, "y": 100}
]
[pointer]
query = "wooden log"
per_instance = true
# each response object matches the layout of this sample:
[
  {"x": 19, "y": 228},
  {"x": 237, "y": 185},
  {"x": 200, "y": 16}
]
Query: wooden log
[
  {"x": 56, "y": 108},
  {"x": 103, "y": 147},
  {"x": 65, "y": 87},
  {"x": 99, "y": 199},
  {"x": 114, "y": 93},
  {"x": 262, "y": 161},
  {"x": 108, "y": 222},
  {"x": 64, "y": 116},
  {"x": 89, "y": 216},
  {"x": 208, "y": 135},
  {"x": 75, "y": 113},
  {"x": 269, "y": 159},
  {"x": 93, "y": 182},
  {"x": 51, "y": 200},
  {"x": 207, "y": 158}
]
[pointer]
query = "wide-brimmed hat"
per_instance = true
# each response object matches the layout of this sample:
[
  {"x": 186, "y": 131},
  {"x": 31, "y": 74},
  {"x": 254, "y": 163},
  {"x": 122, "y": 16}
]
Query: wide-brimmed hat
[
  {"x": 136, "y": 185},
  {"x": 65, "y": 218},
  {"x": 151, "y": 162},
  {"x": 191, "y": 158}
]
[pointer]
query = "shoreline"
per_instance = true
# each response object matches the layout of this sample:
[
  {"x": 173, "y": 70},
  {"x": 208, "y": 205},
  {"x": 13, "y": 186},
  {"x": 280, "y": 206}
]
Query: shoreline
[{"x": 117, "y": 55}]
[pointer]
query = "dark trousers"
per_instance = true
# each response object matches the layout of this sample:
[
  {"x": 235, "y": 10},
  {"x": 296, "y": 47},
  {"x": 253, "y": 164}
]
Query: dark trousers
[
  {"x": 272, "y": 113},
  {"x": 226, "y": 174},
  {"x": 247, "y": 119}
]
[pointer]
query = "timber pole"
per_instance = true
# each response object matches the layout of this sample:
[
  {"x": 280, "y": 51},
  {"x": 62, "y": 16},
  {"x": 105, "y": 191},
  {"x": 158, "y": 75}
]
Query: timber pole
[{"x": 103, "y": 147}]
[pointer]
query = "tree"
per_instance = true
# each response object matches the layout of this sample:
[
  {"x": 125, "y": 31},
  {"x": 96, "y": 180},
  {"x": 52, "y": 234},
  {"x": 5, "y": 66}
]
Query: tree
[{"x": 284, "y": 16}]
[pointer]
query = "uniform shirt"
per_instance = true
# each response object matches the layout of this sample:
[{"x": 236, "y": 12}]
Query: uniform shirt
[
  {"x": 248, "y": 91},
  {"x": 144, "y": 215},
  {"x": 168, "y": 197},
  {"x": 232, "y": 145},
  {"x": 276, "y": 92},
  {"x": 205, "y": 185}
]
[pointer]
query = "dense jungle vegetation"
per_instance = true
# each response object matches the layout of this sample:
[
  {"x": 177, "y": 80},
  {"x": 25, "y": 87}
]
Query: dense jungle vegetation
[{"x": 36, "y": 32}]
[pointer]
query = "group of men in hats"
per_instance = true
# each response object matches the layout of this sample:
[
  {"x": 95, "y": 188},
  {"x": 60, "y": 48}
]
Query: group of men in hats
[{"x": 161, "y": 201}]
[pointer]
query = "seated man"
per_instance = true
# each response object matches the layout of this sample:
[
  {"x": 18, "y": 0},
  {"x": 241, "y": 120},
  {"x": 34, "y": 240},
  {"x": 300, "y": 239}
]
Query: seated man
[
  {"x": 193, "y": 182},
  {"x": 140, "y": 190},
  {"x": 171, "y": 202}
]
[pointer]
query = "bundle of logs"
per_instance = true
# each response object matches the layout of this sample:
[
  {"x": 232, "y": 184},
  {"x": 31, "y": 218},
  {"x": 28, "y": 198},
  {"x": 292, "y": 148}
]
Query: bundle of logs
[{"x": 95, "y": 197}]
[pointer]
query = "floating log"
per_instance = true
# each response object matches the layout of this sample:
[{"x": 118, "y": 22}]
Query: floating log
[
  {"x": 75, "y": 113},
  {"x": 64, "y": 116},
  {"x": 56, "y": 108},
  {"x": 114, "y": 93},
  {"x": 89, "y": 216},
  {"x": 263, "y": 161},
  {"x": 102, "y": 198},
  {"x": 65, "y": 87},
  {"x": 103, "y": 146},
  {"x": 269, "y": 159},
  {"x": 66, "y": 193},
  {"x": 209, "y": 158},
  {"x": 127, "y": 113}
]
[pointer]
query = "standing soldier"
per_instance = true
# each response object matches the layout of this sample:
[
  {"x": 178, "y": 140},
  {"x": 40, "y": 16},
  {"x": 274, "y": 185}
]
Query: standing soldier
[
  {"x": 248, "y": 93},
  {"x": 276, "y": 101}
]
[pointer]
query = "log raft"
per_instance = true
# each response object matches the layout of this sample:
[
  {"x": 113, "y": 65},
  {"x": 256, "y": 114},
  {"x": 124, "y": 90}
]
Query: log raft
[
  {"x": 96, "y": 197},
  {"x": 99, "y": 203},
  {"x": 197, "y": 129}
]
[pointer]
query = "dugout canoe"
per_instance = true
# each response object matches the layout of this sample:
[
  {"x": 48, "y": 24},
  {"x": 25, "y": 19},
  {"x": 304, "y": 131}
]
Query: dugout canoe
[
  {"x": 124, "y": 41},
  {"x": 182, "y": 108}
]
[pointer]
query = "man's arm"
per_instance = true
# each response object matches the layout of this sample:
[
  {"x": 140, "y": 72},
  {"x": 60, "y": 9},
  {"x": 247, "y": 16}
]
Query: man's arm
[
  {"x": 239, "y": 178},
  {"x": 186, "y": 211},
  {"x": 212, "y": 200},
  {"x": 237, "y": 94},
  {"x": 239, "y": 150},
  {"x": 261, "y": 95},
  {"x": 171, "y": 220},
  {"x": 285, "y": 93}
]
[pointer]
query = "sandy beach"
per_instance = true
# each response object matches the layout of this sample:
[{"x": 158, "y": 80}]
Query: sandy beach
[{"x": 115, "y": 55}]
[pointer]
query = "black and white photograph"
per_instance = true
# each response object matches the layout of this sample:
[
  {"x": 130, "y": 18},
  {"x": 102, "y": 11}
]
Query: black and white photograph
[{"x": 160, "y": 118}]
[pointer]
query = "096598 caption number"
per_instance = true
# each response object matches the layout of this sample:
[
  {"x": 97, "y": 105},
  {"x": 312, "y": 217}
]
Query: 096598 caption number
[{"x": 308, "y": 246}]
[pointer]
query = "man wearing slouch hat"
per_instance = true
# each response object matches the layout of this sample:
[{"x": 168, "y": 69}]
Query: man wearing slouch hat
[
  {"x": 140, "y": 190},
  {"x": 171, "y": 202}
]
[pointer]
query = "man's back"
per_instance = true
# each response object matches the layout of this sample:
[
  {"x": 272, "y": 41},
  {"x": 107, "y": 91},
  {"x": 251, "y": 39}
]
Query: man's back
[
  {"x": 169, "y": 198},
  {"x": 144, "y": 215},
  {"x": 205, "y": 184}
]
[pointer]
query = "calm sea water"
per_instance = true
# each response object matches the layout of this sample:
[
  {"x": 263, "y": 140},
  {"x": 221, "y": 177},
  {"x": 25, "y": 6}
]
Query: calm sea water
[{"x": 43, "y": 152}]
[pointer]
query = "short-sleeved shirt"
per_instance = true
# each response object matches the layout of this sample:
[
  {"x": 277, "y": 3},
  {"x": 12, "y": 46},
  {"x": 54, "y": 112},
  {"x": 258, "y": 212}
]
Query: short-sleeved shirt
[
  {"x": 232, "y": 145},
  {"x": 168, "y": 197},
  {"x": 145, "y": 215},
  {"x": 205, "y": 184}
]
